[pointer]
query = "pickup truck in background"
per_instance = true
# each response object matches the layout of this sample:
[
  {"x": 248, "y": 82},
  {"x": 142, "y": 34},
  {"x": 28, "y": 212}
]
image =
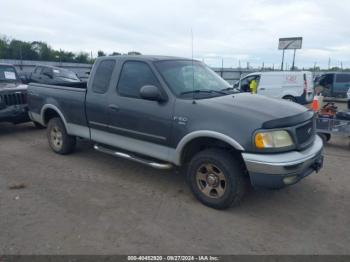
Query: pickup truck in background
[
  {"x": 173, "y": 112},
  {"x": 53, "y": 75},
  {"x": 13, "y": 96}
]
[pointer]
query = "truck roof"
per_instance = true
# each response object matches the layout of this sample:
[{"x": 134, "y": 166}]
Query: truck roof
[{"x": 144, "y": 57}]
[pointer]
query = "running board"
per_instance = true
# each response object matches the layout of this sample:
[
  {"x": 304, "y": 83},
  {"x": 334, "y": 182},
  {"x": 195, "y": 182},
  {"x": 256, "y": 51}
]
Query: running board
[{"x": 133, "y": 158}]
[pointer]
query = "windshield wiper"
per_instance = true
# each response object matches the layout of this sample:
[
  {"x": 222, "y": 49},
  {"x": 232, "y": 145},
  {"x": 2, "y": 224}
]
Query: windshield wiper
[
  {"x": 203, "y": 91},
  {"x": 230, "y": 89}
]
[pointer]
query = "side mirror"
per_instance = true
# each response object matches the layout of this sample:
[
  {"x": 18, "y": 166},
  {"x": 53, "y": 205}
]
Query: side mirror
[{"x": 150, "y": 92}]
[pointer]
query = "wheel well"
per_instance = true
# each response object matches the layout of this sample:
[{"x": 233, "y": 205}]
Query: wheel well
[
  {"x": 202, "y": 143},
  {"x": 49, "y": 114}
]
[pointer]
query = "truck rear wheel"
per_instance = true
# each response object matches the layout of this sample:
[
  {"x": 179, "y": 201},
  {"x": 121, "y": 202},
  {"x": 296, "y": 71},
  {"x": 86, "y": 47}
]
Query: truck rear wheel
[
  {"x": 59, "y": 141},
  {"x": 216, "y": 178}
]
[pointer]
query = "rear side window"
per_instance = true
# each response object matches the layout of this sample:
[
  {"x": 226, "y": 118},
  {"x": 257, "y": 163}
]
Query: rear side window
[
  {"x": 47, "y": 70},
  {"x": 135, "y": 75},
  {"x": 103, "y": 76},
  {"x": 343, "y": 78},
  {"x": 326, "y": 80},
  {"x": 38, "y": 70}
]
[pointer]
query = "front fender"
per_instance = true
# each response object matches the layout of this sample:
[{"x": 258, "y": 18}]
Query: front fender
[{"x": 203, "y": 134}]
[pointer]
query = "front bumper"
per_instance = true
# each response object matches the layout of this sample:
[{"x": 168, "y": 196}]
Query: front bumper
[
  {"x": 14, "y": 114},
  {"x": 280, "y": 170}
]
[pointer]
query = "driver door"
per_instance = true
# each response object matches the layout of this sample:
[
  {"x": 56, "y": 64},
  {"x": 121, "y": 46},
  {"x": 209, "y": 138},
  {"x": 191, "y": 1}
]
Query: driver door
[{"x": 134, "y": 117}]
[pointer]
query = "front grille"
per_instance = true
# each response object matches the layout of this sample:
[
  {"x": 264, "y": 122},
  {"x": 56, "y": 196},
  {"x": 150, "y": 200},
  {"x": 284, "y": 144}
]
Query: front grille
[
  {"x": 305, "y": 133},
  {"x": 17, "y": 98}
]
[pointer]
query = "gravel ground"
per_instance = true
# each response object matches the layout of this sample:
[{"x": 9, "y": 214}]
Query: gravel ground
[{"x": 91, "y": 203}]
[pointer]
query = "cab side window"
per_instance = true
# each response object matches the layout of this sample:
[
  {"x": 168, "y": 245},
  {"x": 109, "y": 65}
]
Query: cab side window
[
  {"x": 103, "y": 76},
  {"x": 326, "y": 80},
  {"x": 47, "y": 71},
  {"x": 133, "y": 77},
  {"x": 343, "y": 78},
  {"x": 38, "y": 70}
]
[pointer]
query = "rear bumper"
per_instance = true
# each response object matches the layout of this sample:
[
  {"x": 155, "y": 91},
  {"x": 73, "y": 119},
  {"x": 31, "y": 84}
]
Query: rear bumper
[
  {"x": 280, "y": 170},
  {"x": 14, "y": 114}
]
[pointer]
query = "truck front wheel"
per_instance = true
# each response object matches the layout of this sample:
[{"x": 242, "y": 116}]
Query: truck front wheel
[
  {"x": 216, "y": 178},
  {"x": 59, "y": 141}
]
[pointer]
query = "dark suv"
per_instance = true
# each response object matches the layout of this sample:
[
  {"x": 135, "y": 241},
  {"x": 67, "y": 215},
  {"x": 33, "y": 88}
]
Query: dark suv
[
  {"x": 13, "y": 96},
  {"x": 333, "y": 84}
]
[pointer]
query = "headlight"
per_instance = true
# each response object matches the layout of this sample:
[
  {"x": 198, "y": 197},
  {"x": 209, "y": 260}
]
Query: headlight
[{"x": 273, "y": 139}]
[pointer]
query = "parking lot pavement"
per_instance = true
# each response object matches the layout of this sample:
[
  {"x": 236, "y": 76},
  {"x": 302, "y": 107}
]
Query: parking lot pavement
[{"x": 91, "y": 203}]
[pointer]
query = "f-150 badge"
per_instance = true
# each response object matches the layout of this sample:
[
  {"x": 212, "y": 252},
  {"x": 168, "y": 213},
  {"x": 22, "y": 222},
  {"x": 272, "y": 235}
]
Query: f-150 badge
[{"x": 181, "y": 120}]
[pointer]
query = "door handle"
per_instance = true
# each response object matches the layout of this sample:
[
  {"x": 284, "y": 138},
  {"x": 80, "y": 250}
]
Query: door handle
[
  {"x": 262, "y": 88},
  {"x": 114, "y": 107}
]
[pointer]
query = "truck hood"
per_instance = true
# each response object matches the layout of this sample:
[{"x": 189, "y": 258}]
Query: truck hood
[
  {"x": 264, "y": 111},
  {"x": 12, "y": 86}
]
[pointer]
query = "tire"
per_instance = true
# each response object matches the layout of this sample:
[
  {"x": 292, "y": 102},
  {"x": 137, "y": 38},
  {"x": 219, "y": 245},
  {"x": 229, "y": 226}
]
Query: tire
[
  {"x": 290, "y": 98},
  {"x": 216, "y": 178},
  {"x": 38, "y": 126},
  {"x": 59, "y": 141}
]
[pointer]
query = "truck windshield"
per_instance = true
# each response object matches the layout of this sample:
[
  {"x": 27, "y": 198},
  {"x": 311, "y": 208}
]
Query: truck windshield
[
  {"x": 186, "y": 79},
  {"x": 8, "y": 74},
  {"x": 65, "y": 73}
]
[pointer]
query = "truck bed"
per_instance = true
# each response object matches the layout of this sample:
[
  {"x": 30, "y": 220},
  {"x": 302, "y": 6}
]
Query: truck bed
[{"x": 70, "y": 100}]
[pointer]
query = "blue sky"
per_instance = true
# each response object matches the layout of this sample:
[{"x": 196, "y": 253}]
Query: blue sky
[{"x": 233, "y": 30}]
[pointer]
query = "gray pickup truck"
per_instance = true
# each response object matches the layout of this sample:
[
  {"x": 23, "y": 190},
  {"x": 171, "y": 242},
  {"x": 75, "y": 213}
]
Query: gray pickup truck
[
  {"x": 172, "y": 112},
  {"x": 13, "y": 96}
]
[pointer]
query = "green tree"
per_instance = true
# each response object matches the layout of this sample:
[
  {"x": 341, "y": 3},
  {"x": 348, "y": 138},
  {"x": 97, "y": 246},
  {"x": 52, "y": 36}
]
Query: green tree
[
  {"x": 3, "y": 48},
  {"x": 43, "y": 50},
  {"x": 21, "y": 50},
  {"x": 82, "y": 57},
  {"x": 134, "y": 53},
  {"x": 68, "y": 56},
  {"x": 101, "y": 53}
]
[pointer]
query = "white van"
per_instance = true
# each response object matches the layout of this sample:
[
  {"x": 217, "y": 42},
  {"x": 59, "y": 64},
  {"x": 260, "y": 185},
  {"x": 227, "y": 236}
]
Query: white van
[{"x": 296, "y": 86}]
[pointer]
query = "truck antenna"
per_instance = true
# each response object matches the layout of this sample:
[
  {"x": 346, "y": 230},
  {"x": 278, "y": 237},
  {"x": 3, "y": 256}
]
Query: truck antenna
[{"x": 193, "y": 98}]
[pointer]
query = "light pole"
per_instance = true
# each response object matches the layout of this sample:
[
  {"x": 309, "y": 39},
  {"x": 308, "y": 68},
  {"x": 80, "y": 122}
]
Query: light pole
[
  {"x": 293, "y": 60},
  {"x": 282, "y": 60}
]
